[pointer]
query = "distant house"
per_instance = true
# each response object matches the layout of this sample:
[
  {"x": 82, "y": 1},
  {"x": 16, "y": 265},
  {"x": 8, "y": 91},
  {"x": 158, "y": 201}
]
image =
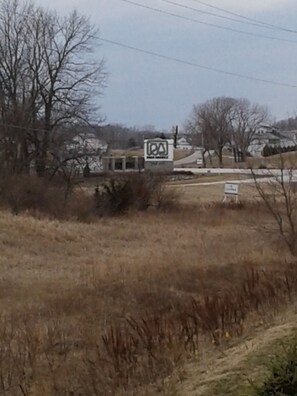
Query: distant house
[
  {"x": 268, "y": 136},
  {"x": 183, "y": 144},
  {"x": 88, "y": 143},
  {"x": 87, "y": 150}
]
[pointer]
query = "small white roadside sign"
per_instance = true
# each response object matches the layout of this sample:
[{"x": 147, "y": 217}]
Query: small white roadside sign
[{"x": 231, "y": 188}]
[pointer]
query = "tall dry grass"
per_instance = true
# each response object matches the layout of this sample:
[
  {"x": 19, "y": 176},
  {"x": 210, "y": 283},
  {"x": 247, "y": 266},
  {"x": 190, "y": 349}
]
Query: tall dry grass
[{"x": 113, "y": 307}]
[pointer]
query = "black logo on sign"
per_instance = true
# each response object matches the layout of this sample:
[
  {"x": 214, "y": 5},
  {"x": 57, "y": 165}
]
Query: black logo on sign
[{"x": 157, "y": 149}]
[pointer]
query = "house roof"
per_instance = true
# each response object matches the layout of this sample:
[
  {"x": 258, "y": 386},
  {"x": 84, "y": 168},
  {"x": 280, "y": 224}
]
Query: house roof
[
  {"x": 289, "y": 134},
  {"x": 183, "y": 141}
]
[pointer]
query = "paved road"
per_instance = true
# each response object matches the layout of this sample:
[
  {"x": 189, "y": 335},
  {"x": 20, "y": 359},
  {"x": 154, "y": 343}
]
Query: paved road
[
  {"x": 188, "y": 160},
  {"x": 226, "y": 171},
  {"x": 272, "y": 175},
  {"x": 245, "y": 181}
]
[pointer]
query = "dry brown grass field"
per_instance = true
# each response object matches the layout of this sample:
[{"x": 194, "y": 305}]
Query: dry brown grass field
[
  {"x": 192, "y": 191},
  {"x": 103, "y": 307}
]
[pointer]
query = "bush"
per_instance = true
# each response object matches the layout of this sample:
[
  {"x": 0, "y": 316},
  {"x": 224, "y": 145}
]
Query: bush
[
  {"x": 24, "y": 192},
  {"x": 282, "y": 379},
  {"x": 37, "y": 195},
  {"x": 165, "y": 199},
  {"x": 268, "y": 151},
  {"x": 137, "y": 191}
]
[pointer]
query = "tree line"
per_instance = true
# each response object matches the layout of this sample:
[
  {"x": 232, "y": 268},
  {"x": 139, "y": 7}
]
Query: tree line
[{"x": 123, "y": 137}]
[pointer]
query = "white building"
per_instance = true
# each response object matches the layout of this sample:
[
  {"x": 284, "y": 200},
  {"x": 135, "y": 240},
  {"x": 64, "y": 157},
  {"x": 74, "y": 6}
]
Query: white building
[
  {"x": 88, "y": 150},
  {"x": 88, "y": 143},
  {"x": 183, "y": 144},
  {"x": 270, "y": 136}
]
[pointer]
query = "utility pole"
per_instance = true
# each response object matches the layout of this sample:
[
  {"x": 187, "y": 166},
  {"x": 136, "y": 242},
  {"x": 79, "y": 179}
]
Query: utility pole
[
  {"x": 203, "y": 149},
  {"x": 175, "y": 133}
]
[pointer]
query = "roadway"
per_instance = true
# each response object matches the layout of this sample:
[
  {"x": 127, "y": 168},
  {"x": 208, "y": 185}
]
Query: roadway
[
  {"x": 188, "y": 160},
  {"x": 225, "y": 171},
  {"x": 268, "y": 175}
]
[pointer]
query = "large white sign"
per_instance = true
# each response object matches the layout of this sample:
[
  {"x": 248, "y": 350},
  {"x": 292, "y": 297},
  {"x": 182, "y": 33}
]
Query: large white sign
[
  {"x": 158, "y": 150},
  {"x": 231, "y": 188}
]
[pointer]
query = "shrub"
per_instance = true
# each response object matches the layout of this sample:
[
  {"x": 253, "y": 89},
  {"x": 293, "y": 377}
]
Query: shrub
[
  {"x": 282, "y": 379},
  {"x": 137, "y": 191},
  {"x": 165, "y": 199},
  {"x": 24, "y": 192},
  {"x": 37, "y": 195},
  {"x": 121, "y": 193}
]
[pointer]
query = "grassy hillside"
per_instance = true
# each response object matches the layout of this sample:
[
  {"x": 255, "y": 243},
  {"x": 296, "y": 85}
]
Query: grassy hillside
[
  {"x": 273, "y": 161},
  {"x": 238, "y": 369}
]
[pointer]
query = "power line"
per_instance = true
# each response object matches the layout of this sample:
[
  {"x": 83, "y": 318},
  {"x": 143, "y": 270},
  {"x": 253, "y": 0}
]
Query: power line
[
  {"x": 218, "y": 15},
  {"x": 246, "y": 18},
  {"x": 193, "y": 64},
  {"x": 158, "y": 10},
  {"x": 26, "y": 128},
  {"x": 253, "y": 22},
  {"x": 250, "y": 21}
]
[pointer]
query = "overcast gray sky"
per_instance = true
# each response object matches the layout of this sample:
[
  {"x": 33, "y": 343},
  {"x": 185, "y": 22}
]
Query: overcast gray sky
[{"x": 147, "y": 90}]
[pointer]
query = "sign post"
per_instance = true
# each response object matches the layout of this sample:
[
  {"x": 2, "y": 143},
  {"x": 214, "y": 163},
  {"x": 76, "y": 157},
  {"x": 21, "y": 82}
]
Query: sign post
[
  {"x": 231, "y": 192},
  {"x": 158, "y": 154}
]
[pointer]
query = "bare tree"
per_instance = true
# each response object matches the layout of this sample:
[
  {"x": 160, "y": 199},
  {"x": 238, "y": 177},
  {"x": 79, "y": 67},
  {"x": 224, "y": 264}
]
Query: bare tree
[
  {"x": 224, "y": 120},
  {"x": 279, "y": 195},
  {"x": 13, "y": 89},
  {"x": 209, "y": 123},
  {"x": 244, "y": 119},
  {"x": 49, "y": 79},
  {"x": 69, "y": 79}
]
